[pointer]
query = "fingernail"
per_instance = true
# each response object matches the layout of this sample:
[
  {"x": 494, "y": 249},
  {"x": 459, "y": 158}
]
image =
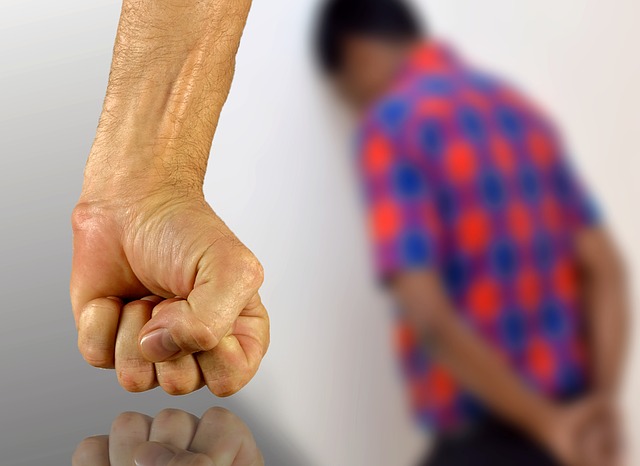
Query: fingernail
[
  {"x": 158, "y": 345},
  {"x": 153, "y": 454}
]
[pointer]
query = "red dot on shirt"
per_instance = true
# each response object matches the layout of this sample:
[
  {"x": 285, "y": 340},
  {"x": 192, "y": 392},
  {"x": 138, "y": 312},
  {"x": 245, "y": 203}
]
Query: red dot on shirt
[
  {"x": 541, "y": 148},
  {"x": 385, "y": 220},
  {"x": 503, "y": 155},
  {"x": 520, "y": 224},
  {"x": 377, "y": 154},
  {"x": 461, "y": 161},
  {"x": 442, "y": 386},
  {"x": 405, "y": 338},
  {"x": 435, "y": 106},
  {"x": 484, "y": 299},
  {"x": 474, "y": 231},
  {"x": 528, "y": 289},
  {"x": 565, "y": 280},
  {"x": 541, "y": 361},
  {"x": 551, "y": 214}
]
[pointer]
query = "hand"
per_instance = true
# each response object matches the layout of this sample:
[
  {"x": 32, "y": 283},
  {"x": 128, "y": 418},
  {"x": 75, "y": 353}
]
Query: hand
[
  {"x": 584, "y": 433},
  {"x": 159, "y": 278},
  {"x": 173, "y": 438}
]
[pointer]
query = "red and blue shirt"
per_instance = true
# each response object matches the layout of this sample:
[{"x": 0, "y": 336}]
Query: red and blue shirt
[{"x": 464, "y": 176}]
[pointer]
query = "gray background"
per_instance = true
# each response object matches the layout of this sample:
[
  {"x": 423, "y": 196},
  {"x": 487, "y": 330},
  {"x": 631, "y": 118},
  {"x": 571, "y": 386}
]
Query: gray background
[{"x": 281, "y": 177}]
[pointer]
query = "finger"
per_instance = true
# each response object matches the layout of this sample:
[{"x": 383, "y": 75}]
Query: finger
[
  {"x": 158, "y": 454},
  {"x": 127, "y": 432},
  {"x": 97, "y": 327},
  {"x": 174, "y": 427},
  {"x": 179, "y": 377},
  {"x": 233, "y": 363},
  {"x": 224, "y": 438},
  {"x": 223, "y": 287},
  {"x": 135, "y": 373},
  {"x": 92, "y": 451}
]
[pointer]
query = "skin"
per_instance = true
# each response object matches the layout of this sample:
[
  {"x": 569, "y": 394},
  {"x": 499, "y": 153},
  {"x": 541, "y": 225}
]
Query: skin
[
  {"x": 161, "y": 289},
  {"x": 583, "y": 433},
  {"x": 172, "y": 438}
]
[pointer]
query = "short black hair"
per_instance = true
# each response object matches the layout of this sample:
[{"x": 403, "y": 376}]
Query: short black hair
[{"x": 338, "y": 19}]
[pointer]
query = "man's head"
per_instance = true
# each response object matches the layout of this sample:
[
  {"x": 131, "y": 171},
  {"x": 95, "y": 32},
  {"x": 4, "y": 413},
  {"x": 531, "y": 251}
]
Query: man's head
[{"x": 361, "y": 43}]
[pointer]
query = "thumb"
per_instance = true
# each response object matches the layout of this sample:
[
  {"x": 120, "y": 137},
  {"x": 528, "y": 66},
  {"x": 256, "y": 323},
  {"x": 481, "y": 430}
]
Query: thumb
[
  {"x": 180, "y": 327},
  {"x": 158, "y": 454}
]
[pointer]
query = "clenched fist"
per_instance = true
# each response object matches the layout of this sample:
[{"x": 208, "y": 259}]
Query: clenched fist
[{"x": 163, "y": 280}]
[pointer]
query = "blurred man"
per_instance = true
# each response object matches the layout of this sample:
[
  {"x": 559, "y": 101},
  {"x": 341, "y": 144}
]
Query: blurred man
[{"x": 511, "y": 327}]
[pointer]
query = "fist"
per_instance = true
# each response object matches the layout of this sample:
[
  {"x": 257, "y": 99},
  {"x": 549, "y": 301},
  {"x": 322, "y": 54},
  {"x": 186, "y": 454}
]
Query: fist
[
  {"x": 173, "y": 438},
  {"x": 164, "y": 293}
]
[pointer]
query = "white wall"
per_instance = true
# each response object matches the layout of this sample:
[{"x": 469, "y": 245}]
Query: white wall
[{"x": 280, "y": 176}]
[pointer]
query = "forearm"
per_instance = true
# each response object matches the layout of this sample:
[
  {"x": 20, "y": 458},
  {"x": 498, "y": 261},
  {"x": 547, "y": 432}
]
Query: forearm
[
  {"x": 475, "y": 364},
  {"x": 604, "y": 292},
  {"x": 172, "y": 68},
  {"x": 608, "y": 323}
]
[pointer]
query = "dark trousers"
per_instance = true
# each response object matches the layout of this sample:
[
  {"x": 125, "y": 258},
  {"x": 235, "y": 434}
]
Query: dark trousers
[{"x": 489, "y": 443}]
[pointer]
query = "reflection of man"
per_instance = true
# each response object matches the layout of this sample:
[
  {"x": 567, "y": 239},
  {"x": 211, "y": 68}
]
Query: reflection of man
[{"x": 513, "y": 306}]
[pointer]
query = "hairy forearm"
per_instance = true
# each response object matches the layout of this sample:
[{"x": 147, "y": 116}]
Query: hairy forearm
[
  {"x": 172, "y": 68},
  {"x": 478, "y": 366}
]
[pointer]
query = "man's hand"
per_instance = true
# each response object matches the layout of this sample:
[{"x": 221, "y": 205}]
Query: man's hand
[
  {"x": 157, "y": 277},
  {"x": 173, "y": 438},
  {"x": 584, "y": 433},
  {"x": 203, "y": 284}
]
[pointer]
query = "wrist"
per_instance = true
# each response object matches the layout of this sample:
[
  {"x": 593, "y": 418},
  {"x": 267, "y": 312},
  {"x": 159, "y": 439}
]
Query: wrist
[
  {"x": 126, "y": 170},
  {"x": 539, "y": 422}
]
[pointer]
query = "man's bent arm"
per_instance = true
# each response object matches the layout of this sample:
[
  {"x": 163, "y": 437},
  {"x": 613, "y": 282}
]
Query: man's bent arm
[{"x": 472, "y": 361}]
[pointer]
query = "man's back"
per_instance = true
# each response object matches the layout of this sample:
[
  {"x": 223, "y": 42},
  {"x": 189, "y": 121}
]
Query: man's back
[{"x": 464, "y": 176}]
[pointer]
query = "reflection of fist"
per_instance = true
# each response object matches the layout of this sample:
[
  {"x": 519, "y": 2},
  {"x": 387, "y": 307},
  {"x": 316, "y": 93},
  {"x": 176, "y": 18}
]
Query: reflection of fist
[
  {"x": 161, "y": 279},
  {"x": 173, "y": 438}
]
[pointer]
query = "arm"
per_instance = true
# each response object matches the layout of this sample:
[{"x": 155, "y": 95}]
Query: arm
[
  {"x": 605, "y": 298},
  {"x": 482, "y": 371},
  {"x": 173, "y": 63},
  {"x": 473, "y": 362},
  {"x": 161, "y": 289}
]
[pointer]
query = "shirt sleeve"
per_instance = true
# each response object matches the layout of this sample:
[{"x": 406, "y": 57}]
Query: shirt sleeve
[
  {"x": 579, "y": 207},
  {"x": 402, "y": 214}
]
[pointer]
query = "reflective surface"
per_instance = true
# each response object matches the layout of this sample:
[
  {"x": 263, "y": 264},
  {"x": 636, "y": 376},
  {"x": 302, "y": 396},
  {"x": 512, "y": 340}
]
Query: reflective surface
[{"x": 173, "y": 437}]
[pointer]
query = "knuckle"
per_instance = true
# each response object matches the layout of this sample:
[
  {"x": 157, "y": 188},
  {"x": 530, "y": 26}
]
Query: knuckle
[
  {"x": 87, "y": 450},
  {"x": 95, "y": 355},
  {"x": 220, "y": 416},
  {"x": 225, "y": 387},
  {"x": 250, "y": 269},
  {"x": 177, "y": 386},
  {"x": 129, "y": 421},
  {"x": 83, "y": 216},
  {"x": 134, "y": 382},
  {"x": 170, "y": 417}
]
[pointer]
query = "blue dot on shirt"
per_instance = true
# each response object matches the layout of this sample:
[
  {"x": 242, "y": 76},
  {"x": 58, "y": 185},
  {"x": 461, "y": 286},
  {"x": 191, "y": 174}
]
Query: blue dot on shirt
[
  {"x": 416, "y": 249},
  {"x": 432, "y": 139},
  {"x": 505, "y": 259},
  {"x": 493, "y": 189},
  {"x": 553, "y": 320},
  {"x": 408, "y": 181}
]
